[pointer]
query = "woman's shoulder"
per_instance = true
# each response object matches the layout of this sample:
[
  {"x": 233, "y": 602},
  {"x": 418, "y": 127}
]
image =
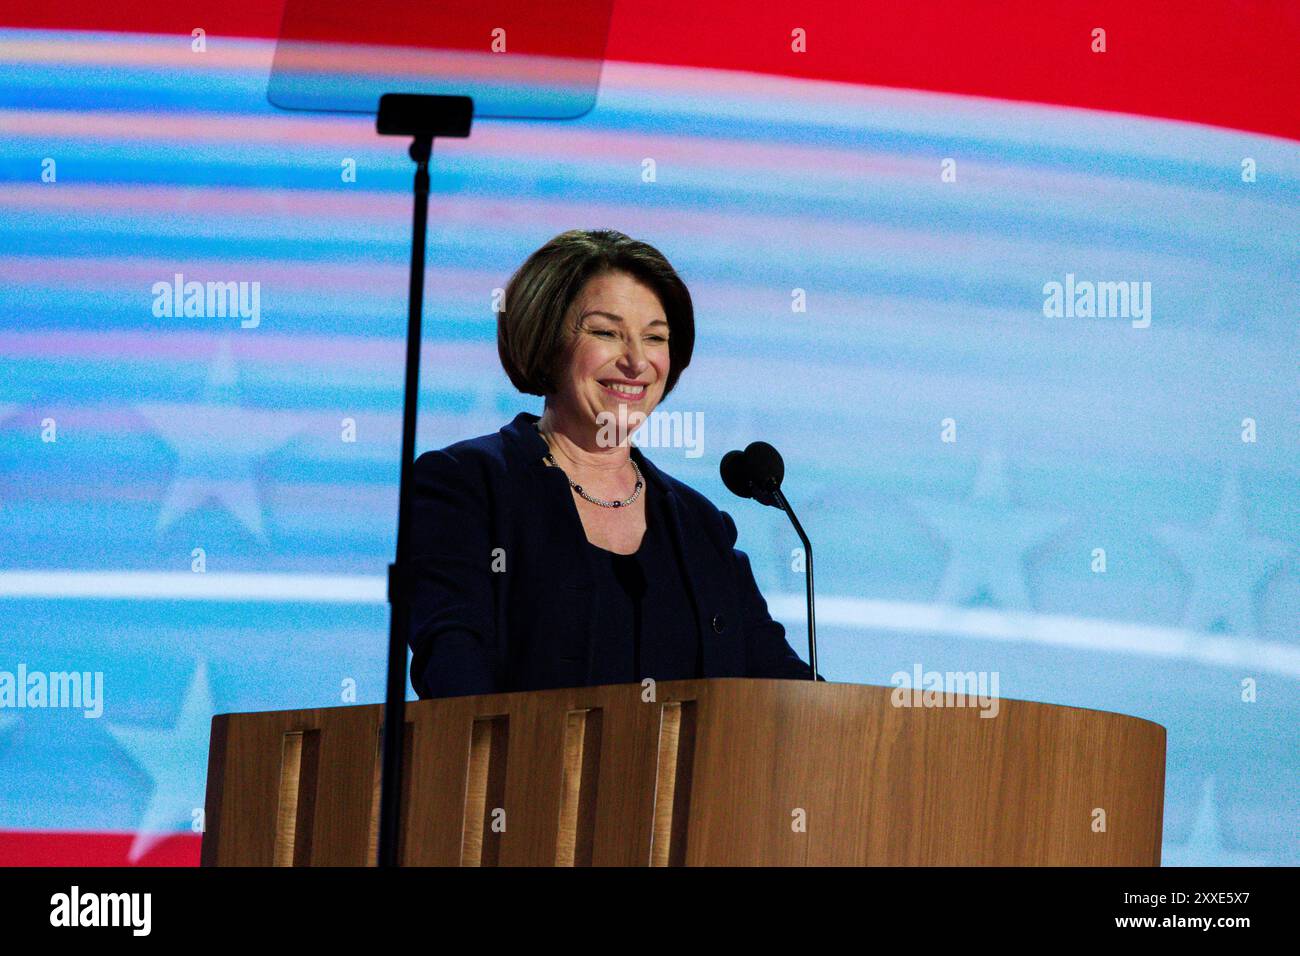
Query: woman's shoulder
[
  {"x": 465, "y": 459},
  {"x": 466, "y": 451},
  {"x": 486, "y": 458},
  {"x": 469, "y": 463}
]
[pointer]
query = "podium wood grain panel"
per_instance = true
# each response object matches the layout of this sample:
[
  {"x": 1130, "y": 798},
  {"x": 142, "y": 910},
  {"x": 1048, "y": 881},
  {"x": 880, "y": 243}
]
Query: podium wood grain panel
[
  {"x": 711, "y": 772},
  {"x": 344, "y": 787},
  {"x": 433, "y": 816}
]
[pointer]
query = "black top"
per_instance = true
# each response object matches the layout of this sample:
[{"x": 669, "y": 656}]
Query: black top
[{"x": 644, "y": 620}]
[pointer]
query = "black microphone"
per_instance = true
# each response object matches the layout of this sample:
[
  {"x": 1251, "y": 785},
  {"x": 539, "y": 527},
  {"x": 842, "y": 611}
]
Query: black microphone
[
  {"x": 757, "y": 472},
  {"x": 766, "y": 472},
  {"x": 735, "y": 474},
  {"x": 754, "y": 472}
]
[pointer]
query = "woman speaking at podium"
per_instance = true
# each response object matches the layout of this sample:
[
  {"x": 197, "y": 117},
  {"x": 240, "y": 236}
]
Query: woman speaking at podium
[{"x": 548, "y": 554}]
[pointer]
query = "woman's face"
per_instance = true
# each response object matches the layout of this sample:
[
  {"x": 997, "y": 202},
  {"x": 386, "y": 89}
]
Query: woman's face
[{"x": 618, "y": 354}]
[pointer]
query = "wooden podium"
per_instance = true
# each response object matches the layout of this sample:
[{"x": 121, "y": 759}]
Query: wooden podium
[{"x": 714, "y": 772}]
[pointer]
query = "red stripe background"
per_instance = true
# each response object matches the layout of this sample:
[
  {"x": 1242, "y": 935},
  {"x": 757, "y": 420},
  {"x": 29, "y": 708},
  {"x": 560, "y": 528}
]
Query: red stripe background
[{"x": 1223, "y": 62}]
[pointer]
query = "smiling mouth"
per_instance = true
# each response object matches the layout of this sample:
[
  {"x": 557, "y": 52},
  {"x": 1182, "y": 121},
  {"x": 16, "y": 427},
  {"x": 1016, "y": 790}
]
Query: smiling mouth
[{"x": 626, "y": 390}]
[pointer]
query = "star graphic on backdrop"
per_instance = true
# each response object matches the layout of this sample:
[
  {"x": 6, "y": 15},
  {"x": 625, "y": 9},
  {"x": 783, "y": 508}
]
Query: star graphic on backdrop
[
  {"x": 176, "y": 760},
  {"x": 988, "y": 538},
  {"x": 1226, "y": 562},
  {"x": 219, "y": 444},
  {"x": 1203, "y": 846}
]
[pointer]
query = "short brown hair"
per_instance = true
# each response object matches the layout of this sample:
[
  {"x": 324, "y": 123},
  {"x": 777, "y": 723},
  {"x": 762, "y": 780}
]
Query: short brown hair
[{"x": 531, "y": 333}]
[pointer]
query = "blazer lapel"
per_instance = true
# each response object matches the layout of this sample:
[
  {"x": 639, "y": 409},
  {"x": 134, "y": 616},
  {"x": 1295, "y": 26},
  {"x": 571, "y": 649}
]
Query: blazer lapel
[
  {"x": 565, "y": 554},
  {"x": 700, "y": 572}
]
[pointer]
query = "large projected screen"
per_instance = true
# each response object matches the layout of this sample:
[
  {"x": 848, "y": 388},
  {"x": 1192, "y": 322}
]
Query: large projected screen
[{"x": 1032, "y": 369}]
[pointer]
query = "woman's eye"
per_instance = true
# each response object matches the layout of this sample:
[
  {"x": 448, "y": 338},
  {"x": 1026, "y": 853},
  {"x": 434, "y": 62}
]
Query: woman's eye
[{"x": 610, "y": 333}]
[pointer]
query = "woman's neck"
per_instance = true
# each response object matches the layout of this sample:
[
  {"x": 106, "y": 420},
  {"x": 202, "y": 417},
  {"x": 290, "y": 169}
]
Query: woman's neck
[{"x": 576, "y": 448}]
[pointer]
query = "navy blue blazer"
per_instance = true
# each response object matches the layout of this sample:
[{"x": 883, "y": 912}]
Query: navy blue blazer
[{"x": 501, "y": 574}]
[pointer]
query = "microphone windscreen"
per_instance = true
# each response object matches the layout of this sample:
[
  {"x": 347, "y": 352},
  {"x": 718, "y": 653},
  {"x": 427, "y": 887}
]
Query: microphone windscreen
[
  {"x": 764, "y": 464},
  {"x": 735, "y": 474}
]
